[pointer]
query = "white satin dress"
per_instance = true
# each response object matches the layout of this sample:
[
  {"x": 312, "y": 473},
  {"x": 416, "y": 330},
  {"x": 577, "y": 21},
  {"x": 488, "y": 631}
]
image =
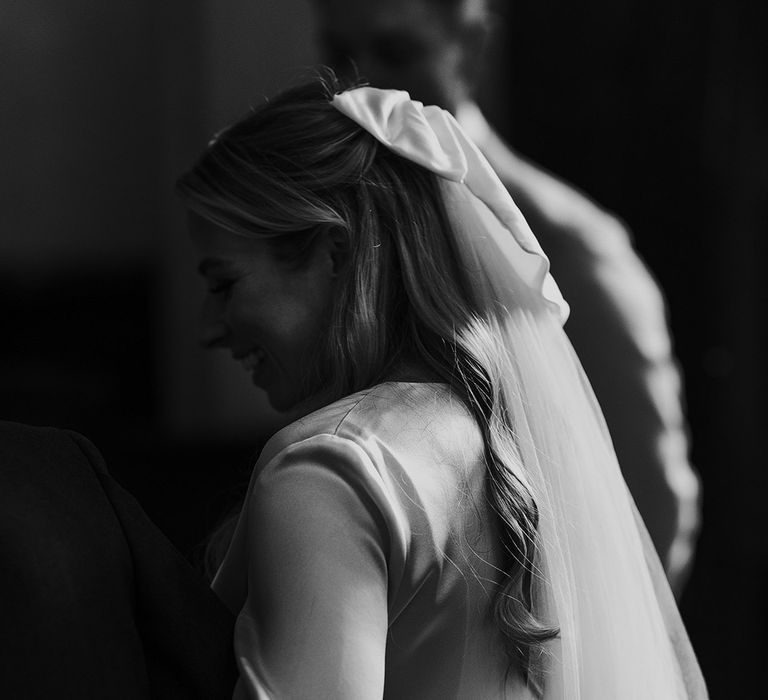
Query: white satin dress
[{"x": 363, "y": 562}]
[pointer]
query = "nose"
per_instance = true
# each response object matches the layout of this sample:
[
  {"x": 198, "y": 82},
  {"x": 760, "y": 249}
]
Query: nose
[{"x": 213, "y": 332}]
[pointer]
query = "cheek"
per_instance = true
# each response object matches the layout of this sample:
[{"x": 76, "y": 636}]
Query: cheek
[
  {"x": 284, "y": 324},
  {"x": 243, "y": 315},
  {"x": 304, "y": 325}
]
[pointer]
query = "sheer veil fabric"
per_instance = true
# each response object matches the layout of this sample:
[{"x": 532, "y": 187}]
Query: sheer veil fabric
[{"x": 599, "y": 579}]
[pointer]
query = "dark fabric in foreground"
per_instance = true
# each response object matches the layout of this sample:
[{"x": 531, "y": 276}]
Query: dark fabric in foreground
[{"x": 95, "y": 602}]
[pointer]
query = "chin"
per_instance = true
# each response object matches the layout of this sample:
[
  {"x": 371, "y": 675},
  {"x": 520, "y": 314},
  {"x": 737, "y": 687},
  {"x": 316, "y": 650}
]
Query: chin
[{"x": 282, "y": 403}]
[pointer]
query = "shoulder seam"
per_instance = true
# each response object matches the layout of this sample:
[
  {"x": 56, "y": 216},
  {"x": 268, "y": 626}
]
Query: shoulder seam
[{"x": 349, "y": 411}]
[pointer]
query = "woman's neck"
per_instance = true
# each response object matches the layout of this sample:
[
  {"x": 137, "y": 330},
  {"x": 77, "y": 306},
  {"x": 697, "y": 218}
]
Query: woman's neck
[{"x": 412, "y": 369}]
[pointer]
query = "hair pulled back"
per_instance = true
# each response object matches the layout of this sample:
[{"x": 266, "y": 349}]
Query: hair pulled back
[{"x": 296, "y": 165}]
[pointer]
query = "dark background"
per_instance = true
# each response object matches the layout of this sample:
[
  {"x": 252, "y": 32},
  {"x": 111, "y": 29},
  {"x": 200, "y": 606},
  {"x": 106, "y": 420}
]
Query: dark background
[{"x": 656, "y": 109}]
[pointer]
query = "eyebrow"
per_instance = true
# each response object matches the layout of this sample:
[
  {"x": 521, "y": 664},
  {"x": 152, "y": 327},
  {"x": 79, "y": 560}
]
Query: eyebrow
[{"x": 208, "y": 264}]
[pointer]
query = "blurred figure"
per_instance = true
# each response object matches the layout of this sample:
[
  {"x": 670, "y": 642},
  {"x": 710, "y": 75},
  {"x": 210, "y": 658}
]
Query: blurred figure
[
  {"x": 433, "y": 49},
  {"x": 96, "y": 602}
]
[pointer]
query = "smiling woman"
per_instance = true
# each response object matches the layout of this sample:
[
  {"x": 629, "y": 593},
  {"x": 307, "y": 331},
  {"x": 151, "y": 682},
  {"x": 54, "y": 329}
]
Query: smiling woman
[
  {"x": 269, "y": 309},
  {"x": 446, "y": 516}
]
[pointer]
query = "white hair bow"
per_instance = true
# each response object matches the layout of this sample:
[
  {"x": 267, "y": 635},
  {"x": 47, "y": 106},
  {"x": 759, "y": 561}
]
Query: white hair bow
[{"x": 482, "y": 210}]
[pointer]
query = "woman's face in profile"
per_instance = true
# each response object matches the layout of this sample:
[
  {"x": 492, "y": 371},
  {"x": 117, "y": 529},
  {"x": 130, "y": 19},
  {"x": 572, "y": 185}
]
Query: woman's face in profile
[{"x": 269, "y": 314}]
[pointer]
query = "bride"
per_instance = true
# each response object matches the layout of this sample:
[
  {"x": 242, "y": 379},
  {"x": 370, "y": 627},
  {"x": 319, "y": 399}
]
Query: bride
[{"x": 445, "y": 517}]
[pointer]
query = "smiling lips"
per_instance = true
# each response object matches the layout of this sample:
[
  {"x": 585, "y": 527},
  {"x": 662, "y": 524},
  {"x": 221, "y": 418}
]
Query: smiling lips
[{"x": 253, "y": 359}]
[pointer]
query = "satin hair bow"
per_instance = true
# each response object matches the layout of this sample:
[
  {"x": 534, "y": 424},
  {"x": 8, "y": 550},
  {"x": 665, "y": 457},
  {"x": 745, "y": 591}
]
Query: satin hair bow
[{"x": 432, "y": 138}]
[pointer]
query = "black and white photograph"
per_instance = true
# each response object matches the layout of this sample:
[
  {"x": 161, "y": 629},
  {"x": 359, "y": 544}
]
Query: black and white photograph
[{"x": 383, "y": 350}]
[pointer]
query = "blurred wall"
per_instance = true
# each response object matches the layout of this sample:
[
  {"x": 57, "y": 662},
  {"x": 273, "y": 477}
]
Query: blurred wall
[
  {"x": 81, "y": 161},
  {"x": 81, "y": 144}
]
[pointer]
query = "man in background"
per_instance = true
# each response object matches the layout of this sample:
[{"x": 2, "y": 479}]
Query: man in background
[{"x": 433, "y": 49}]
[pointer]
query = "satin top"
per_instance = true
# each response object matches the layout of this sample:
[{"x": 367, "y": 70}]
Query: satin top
[{"x": 363, "y": 562}]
